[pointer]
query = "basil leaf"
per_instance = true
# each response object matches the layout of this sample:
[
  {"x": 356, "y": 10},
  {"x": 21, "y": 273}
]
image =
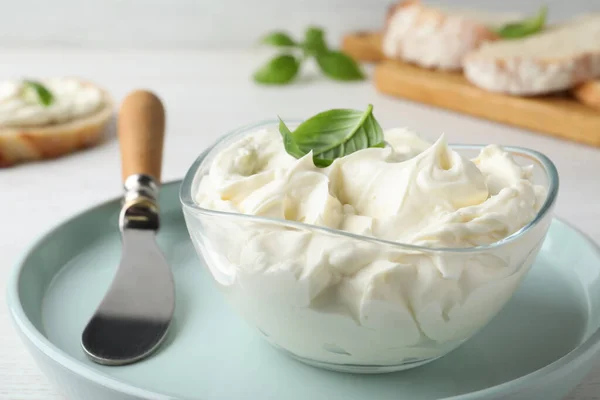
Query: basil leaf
[
  {"x": 280, "y": 70},
  {"x": 278, "y": 39},
  {"x": 524, "y": 28},
  {"x": 314, "y": 41},
  {"x": 339, "y": 66},
  {"x": 334, "y": 134},
  {"x": 288, "y": 142},
  {"x": 43, "y": 95}
]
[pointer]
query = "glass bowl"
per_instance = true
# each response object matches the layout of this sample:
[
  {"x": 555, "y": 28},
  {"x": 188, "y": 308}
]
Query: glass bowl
[{"x": 316, "y": 303}]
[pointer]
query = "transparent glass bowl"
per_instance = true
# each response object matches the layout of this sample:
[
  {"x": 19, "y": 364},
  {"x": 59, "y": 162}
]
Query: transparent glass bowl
[{"x": 429, "y": 302}]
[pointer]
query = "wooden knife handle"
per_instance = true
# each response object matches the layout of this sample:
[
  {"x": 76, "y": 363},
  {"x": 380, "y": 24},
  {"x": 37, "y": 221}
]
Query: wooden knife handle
[{"x": 141, "y": 131}]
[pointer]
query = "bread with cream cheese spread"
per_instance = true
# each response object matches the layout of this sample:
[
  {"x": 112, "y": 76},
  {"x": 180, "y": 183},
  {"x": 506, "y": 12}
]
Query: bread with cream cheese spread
[
  {"x": 33, "y": 142},
  {"x": 559, "y": 58},
  {"x": 433, "y": 37}
]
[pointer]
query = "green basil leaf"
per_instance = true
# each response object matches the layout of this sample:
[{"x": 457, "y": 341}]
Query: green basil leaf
[
  {"x": 314, "y": 41},
  {"x": 524, "y": 28},
  {"x": 339, "y": 66},
  {"x": 42, "y": 94},
  {"x": 278, "y": 39},
  {"x": 334, "y": 134},
  {"x": 288, "y": 142},
  {"x": 280, "y": 70}
]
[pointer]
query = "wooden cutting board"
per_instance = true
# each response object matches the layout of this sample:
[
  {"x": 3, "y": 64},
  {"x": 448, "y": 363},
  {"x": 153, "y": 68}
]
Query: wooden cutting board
[{"x": 559, "y": 115}]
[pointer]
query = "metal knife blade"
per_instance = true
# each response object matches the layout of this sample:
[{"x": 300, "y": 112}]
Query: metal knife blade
[{"x": 135, "y": 314}]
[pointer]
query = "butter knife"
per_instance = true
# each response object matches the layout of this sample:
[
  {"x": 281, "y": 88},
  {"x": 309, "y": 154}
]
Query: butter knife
[{"x": 133, "y": 318}]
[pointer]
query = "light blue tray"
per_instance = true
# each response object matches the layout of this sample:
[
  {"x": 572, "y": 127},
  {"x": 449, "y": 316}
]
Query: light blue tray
[{"x": 539, "y": 347}]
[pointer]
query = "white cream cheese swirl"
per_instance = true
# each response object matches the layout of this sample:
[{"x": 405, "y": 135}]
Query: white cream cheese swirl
[
  {"x": 412, "y": 193},
  {"x": 72, "y": 99},
  {"x": 342, "y": 300}
]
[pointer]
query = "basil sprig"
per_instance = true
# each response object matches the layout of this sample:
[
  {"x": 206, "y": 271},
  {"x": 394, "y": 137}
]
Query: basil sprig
[
  {"x": 278, "y": 39},
  {"x": 517, "y": 30},
  {"x": 279, "y": 70},
  {"x": 41, "y": 93},
  {"x": 314, "y": 41},
  {"x": 283, "y": 68},
  {"x": 339, "y": 66},
  {"x": 333, "y": 134}
]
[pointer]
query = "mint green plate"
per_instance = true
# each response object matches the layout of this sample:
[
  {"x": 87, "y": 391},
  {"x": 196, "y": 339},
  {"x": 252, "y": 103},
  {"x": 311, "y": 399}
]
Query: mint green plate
[{"x": 539, "y": 347}]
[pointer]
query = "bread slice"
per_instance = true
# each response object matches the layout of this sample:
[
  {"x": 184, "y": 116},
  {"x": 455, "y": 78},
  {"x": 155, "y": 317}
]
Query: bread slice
[
  {"x": 435, "y": 37},
  {"x": 30, "y": 143},
  {"x": 589, "y": 93},
  {"x": 556, "y": 59}
]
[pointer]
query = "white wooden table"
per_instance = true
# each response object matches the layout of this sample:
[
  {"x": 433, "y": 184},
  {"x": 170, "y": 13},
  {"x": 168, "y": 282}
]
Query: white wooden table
[{"x": 206, "y": 94}]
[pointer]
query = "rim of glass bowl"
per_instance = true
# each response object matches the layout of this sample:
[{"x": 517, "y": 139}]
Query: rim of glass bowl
[{"x": 191, "y": 178}]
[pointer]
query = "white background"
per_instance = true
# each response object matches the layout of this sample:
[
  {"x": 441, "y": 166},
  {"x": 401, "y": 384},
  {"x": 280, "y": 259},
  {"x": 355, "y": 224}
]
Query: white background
[
  {"x": 176, "y": 47},
  {"x": 215, "y": 23}
]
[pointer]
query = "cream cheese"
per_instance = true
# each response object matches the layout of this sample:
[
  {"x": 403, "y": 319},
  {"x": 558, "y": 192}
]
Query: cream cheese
[
  {"x": 339, "y": 299},
  {"x": 72, "y": 100}
]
